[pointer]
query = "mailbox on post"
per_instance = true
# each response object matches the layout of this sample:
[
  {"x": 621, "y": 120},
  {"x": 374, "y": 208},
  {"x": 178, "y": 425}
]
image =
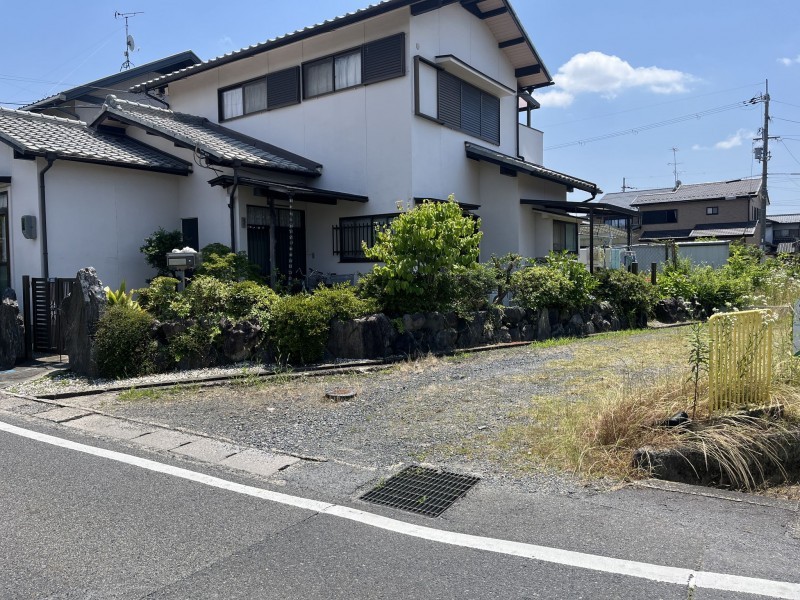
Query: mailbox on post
[{"x": 182, "y": 261}]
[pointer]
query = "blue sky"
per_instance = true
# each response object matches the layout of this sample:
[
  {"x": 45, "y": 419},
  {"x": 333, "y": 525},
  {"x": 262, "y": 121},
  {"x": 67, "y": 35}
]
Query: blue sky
[{"x": 643, "y": 77}]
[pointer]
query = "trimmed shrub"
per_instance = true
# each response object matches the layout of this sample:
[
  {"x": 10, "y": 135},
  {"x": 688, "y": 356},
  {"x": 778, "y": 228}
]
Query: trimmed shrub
[
  {"x": 206, "y": 297},
  {"x": 162, "y": 299},
  {"x": 561, "y": 283},
  {"x": 221, "y": 263},
  {"x": 631, "y": 294},
  {"x": 123, "y": 343},
  {"x": 250, "y": 300},
  {"x": 301, "y": 323}
]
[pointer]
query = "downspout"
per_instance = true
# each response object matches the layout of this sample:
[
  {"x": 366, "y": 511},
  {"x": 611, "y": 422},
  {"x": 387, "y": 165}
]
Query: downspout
[
  {"x": 43, "y": 214},
  {"x": 156, "y": 98},
  {"x": 232, "y": 204}
]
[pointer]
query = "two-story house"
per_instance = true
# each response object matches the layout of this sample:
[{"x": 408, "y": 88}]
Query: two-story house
[
  {"x": 295, "y": 149},
  {"x": 727, "y": 210}
]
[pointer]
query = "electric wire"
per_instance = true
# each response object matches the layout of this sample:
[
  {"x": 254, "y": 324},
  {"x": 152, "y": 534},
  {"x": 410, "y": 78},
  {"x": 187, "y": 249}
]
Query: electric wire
[{"x": 665, "y": 123}]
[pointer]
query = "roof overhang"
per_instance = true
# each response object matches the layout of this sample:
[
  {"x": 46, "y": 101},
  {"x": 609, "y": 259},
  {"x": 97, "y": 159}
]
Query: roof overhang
[
  {"x": 516, "y": 165},
  {"x": 462, "y": 70},
  {"x": 282, "y": 190},
  {"x": 498, "y": 15},
  {"x": 5, "y": 178},
  {"x": 579, "y": 208},
  {"x": 462, "y": 205}
]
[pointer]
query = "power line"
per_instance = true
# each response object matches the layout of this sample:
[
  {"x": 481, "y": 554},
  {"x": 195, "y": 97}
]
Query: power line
[{"x": 636, "y": 130}]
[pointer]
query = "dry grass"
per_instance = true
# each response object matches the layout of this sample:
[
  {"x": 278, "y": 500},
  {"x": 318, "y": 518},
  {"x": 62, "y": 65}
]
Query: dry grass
[{"x": 614, "y": 402}]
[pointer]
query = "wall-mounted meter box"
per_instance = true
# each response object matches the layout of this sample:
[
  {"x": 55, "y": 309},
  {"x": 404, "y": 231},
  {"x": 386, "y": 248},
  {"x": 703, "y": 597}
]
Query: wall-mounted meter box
[{"x": 29, "y": 227}]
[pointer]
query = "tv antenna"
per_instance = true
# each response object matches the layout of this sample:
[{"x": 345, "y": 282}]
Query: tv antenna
[
  {"x": 130, "y": 45},
  {"x": 674, "y": 165}
]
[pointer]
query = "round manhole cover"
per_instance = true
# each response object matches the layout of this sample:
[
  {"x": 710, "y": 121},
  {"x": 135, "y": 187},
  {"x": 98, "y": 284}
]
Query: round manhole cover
[{"x": 340, "y": 394}]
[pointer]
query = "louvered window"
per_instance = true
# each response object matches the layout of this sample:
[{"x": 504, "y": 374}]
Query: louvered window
[
  {"x": 283, "y": 88},
  {"x": 384, "y": 59},
  {"x": 463, "y": 106}
]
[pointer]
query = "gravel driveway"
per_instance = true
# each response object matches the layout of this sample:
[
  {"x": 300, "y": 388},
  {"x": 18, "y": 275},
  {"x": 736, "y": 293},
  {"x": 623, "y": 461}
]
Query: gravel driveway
[{"x": 453, "y": 412}]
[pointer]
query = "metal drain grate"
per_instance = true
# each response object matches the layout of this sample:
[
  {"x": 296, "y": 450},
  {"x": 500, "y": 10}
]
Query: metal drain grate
[{"x": 421, "y": 490}]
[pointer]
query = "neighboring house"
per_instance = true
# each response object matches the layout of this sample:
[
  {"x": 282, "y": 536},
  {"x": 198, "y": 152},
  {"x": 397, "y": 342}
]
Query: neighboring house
[
  {"x": 295, "y": 149},
  {"x": 85, "y": 102},
  {"x": 726, "y": 210},
  {"x": 783, "y": 231},
  {"x": 624, "y": 200}
]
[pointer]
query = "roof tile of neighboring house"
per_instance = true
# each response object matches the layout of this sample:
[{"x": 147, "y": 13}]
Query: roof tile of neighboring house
[
  {"x": 32, "y": 135},
  {"x": 745, "y": 228},
  {"x": 789, "y": 219},
  {"x": 723, "y": 190},
  {"x": 625, "y": 199},
  {"x": 222, "y": 145},
  {"x": 497, "y": 14}
]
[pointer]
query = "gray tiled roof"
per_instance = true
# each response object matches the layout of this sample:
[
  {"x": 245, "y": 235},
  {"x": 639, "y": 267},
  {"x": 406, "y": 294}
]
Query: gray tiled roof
[
  {"x": 39, "y": 135},
  {"x": 498, "y": 15},
  {"x": 666, "y": 234},
  {"x": 222, "y": 145},
  {"x": 724, "y": 230},
  {"x": 625, "y": 199},
  {"x": 722, "y": 190},
  {"x": 784, "y": 218}
]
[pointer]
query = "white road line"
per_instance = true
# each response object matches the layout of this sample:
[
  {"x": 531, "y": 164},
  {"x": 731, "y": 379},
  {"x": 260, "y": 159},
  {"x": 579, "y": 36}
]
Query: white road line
[{"x": 651, "y": 572}]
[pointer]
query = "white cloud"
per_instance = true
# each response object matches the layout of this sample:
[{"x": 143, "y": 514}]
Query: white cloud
[
  {"x": 735, "y": 140},
  {"x": 732, "y": 141},
  {"x": 788, "y": 62},
  {"x": 598, "y": 73}
]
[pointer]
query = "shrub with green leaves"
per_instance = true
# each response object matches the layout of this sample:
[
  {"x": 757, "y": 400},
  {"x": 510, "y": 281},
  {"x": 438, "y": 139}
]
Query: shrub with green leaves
[
  {"x": 250, "y": 300},
  {"x": 562, "y": 283},
  {"x": 221, "y": 263},
  {"x": 419, "y": 250},
  {"x": 631, "y": 294},
  {"x": 162, "y": 299},
  {"x": 206, "y": 297},
  {"x": 301, "y": 323},
  {"x": 123, "y": 343},
  {"x": 157, "y": 245}
]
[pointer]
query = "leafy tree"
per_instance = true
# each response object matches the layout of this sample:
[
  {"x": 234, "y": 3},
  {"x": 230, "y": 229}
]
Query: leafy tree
[
  {"x": 157, "y": 245},
  {"x": 421, "y": 250}
]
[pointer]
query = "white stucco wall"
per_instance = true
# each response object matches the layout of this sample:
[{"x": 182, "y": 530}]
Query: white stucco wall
[
  {"x": 23, "y": 199},
  {"x": 98, "y": 216}
]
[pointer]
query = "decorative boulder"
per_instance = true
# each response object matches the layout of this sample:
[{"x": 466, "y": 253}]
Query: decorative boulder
[
  {"x": 368, "y": 337},
  {"x": 239, "y": 339},
  {"x": 12, "y": 332},
  {"x": 80, "y": 312}
]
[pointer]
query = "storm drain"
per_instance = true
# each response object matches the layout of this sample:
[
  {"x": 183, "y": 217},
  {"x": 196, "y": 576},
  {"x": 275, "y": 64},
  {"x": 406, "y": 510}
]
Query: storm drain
[{"x": 421, "y": 490}]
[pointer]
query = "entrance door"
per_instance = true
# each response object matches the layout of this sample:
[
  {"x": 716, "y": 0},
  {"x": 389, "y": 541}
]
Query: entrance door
[
  {"x": 289, "y": 232},
  {"x": 5, "y": 259}
]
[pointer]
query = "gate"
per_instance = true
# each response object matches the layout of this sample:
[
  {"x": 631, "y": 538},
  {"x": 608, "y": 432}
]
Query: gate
[{"x": 45, "y": 323}]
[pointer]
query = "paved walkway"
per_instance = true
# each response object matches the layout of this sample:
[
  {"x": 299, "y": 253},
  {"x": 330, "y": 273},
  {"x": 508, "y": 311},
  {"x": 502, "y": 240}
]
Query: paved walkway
[{"x": 153, "y": 437}]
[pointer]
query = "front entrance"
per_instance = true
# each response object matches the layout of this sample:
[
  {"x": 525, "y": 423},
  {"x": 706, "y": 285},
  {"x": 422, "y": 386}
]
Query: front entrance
[
  {"x": 289, "y": 233},
  {"x": 5, "y": 260}
]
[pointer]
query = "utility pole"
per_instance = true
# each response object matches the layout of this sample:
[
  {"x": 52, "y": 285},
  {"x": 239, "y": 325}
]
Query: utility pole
[{"x": 764, "y": 196}]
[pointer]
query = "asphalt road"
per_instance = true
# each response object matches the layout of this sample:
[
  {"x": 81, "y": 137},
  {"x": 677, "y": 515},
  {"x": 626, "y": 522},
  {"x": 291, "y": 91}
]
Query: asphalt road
[{"x": 78, "y": 526}]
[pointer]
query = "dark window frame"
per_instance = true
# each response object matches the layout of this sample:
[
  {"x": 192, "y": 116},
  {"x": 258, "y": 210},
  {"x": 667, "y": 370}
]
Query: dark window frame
[
  {"x": 565, "y": 225},
  {"x": 363, "y": 49},
  {"x": 356, "y": 254},
  {"x": 712, "y": 210},
  {"x": 660, "y": 217},
  {"x": 241, "y": 85}
]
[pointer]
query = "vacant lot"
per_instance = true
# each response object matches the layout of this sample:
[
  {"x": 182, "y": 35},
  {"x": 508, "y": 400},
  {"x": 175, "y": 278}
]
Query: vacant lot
[{"x": 483, "y": 412}]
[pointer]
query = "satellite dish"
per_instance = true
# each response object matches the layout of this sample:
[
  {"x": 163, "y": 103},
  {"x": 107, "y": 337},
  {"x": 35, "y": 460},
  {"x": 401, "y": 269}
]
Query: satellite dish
[{"x": 131, "y": 44}]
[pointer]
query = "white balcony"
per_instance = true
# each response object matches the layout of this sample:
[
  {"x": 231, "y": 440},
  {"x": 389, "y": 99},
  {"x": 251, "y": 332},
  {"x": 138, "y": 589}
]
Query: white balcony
[{"x": 531, "y": 144}]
